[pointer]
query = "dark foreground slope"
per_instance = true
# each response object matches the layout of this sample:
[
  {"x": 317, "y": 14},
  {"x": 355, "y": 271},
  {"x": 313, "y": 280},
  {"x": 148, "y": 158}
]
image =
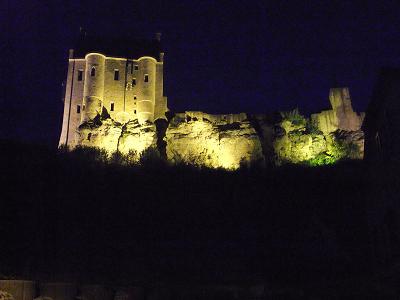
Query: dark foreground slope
[{"x": 66, "y": 216}]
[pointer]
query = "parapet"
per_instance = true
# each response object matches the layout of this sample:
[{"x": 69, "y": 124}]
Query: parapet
[{"x": 215, "y": 119}]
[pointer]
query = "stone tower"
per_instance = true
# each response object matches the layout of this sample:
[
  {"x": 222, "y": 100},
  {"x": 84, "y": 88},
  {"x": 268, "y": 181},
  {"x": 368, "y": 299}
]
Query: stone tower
[
  {"x": 122, "y": 77},
  {"x": 341, "y": 116}
]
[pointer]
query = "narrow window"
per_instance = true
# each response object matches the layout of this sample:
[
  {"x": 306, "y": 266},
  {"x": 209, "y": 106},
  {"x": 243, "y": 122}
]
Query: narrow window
[
  {"x": 135, "y": 111},
  {"x": 146, "y": 77},
  {"x": 93, "y": 71},
  {"x": 134, "y": 97},
  {"x": 133, "y": 81},
  {"x": 80, "y": 75},
  {"x": 78, "y": 109},
  {"x": 112, "y": 106},
  {"x": 136, "y": 67},
  {"x": 116, "y": 74}
]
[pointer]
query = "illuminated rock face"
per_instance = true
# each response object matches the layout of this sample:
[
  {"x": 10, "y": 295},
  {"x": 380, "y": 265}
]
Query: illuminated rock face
[
  {"x": 225, "y": 141},
  {"x": 327, "y": 137},
  {"x": 296, "y": 147},
  {"x": 230, "y": 140},
  {"x": 220, "y": 143},
  {"x": 299, "y": 143},
  {"x": 131, "y": 137}
]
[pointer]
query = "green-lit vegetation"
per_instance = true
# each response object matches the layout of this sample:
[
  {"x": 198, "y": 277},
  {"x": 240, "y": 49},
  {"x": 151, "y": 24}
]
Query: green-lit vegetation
[
  {"x": 294, "y": 117},
  {"x": 304, "y": 143}
]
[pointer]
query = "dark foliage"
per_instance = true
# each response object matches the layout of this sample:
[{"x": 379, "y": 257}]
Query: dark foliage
[{"x": 69, "y": 215}]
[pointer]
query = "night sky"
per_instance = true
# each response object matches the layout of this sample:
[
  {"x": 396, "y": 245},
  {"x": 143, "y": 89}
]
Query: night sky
[{"x": 220, "y": 56}]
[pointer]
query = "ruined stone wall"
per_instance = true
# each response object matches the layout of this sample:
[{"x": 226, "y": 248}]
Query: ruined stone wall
[{"x": 341, "y": 116}]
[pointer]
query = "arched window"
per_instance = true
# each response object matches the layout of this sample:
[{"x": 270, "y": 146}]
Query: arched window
[{"x": 93, "y": 71}]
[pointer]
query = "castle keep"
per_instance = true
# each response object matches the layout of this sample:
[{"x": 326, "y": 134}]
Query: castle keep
[
  {"x": 125, "y": 82},
  {"x": 114, "y": 97}
]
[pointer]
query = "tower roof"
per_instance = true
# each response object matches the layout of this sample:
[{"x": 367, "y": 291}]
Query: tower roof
[{"x": 126, "y": 47}]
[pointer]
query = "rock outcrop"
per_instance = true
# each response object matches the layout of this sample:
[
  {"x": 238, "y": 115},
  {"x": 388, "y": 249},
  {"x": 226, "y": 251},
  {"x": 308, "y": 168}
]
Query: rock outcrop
[
  {"x": 229, "y": 141},
  {"x": 199, "y": 139},
  {"x": 129, "y": 138},
  {"x": 299, "y": 140}
]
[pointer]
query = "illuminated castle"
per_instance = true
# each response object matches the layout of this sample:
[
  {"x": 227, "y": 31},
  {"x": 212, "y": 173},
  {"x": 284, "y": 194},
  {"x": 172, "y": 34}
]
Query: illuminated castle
[
  {"x": 117, "y": 77},
  {"x": 114, "y": 95}
]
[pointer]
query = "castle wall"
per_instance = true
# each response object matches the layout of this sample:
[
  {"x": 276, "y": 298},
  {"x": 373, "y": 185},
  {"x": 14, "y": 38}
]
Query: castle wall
[
  {"x": 326, "y": 121},
  {"x": 131, "y": 90},
  {"x": 93, "y": 93},
  {"x": 131, "y": 96},
  {"x": 71, "y": 117},
  {"x": 146, "y": 87},
  {"x": 161, "y": 101},
  {"x": 115, "y": 91},
  {"x": 217, "y": 119}
]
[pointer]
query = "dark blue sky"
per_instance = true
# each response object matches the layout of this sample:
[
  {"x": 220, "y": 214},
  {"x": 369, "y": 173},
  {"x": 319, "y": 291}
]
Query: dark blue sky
[{"x": 221, "y": 56}]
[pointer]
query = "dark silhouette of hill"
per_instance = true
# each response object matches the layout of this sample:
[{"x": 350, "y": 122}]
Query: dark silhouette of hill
[{"x": 70, "y": 216}]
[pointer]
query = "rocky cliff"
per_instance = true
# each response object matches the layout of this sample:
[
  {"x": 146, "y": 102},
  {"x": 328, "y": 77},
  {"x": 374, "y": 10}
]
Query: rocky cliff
[
  {"x": 215, "y": 142},
  {"x": 129, "y": 138},
  {"x": 226, "y": 141},
  {"x": 300, "y": 140}
]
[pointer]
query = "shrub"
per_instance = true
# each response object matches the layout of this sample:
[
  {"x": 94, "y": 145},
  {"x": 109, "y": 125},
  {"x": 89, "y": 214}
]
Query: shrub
[
  {"x": 322, "y": 159},
  {"x": 294, "y": 117},
  {"x": 312, "y": 127},
  {"x": 151, "y": 157},
  {"x": 89, "y": 154}
]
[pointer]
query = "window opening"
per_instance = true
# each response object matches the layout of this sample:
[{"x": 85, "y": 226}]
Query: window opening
[{"x": 80, "y": 75}]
